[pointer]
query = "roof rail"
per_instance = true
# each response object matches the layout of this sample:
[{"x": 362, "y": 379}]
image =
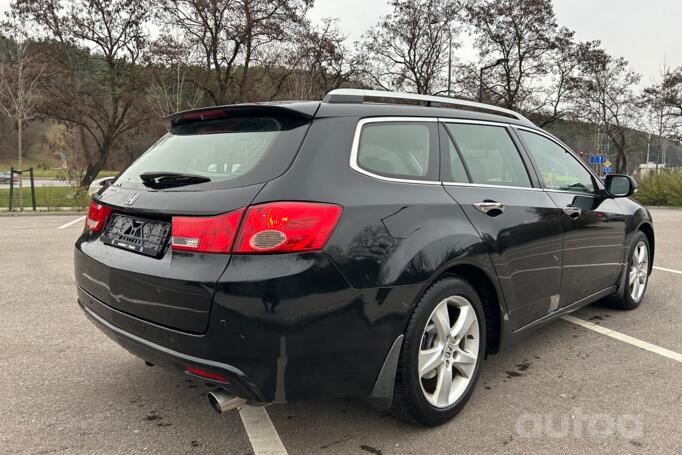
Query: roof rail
[{"x": 351, "y": 95}]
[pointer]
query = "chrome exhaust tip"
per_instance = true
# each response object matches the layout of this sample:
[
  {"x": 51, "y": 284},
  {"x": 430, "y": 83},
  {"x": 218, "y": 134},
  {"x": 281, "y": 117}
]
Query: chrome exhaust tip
[{"x": 221, "y": 400}]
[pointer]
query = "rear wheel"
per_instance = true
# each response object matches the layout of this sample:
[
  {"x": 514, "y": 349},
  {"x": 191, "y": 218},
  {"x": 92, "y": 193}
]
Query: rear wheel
[
  {"x": 441, "y": 355},
  {"x": 637, "y": 275}
]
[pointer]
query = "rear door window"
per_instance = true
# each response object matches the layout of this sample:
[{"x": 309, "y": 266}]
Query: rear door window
[
  {"x": 232, "y": 152},
  {"x": 489, "y": 154},
  {"x": 399, "y": 149}
]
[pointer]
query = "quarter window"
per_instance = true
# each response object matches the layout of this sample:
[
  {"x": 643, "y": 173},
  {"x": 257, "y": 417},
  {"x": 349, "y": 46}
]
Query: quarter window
[
  {"x": 489, "y": 154},
  {"x": 560, "y": 169},
  {"x": 399, "y": 149}
]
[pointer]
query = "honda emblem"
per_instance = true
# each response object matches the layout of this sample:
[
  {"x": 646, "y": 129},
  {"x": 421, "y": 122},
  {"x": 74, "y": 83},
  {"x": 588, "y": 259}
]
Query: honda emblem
[{"x": 132, "y": 198}]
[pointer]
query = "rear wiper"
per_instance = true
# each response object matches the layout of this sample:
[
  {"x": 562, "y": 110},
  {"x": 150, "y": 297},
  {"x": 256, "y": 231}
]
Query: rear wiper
[{"x": 171, "y": 179}]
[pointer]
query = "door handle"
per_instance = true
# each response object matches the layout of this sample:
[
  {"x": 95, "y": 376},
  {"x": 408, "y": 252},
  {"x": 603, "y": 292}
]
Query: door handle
[
  {"x": 490, "y": 208},
  {"x": 573, "y": 212}
]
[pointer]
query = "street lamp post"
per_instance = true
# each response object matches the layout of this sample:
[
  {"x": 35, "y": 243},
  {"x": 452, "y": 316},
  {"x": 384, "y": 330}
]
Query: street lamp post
[
  {"x": 480, "y": 75},
  {"x": 449, "y": 61}
]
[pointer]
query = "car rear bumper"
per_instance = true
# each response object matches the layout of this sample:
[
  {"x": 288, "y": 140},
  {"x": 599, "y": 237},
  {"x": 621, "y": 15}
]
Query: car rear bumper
[
  {"x": 281, "y": 327},
  {"x": 100, "y": 314}
]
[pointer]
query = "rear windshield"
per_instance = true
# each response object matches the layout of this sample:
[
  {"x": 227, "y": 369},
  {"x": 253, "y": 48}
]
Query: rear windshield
[{"x": 232, "y": 152}]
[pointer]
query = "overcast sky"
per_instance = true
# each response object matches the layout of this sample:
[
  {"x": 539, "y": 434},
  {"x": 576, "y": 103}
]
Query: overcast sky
[{"x": 643, "y": 31}]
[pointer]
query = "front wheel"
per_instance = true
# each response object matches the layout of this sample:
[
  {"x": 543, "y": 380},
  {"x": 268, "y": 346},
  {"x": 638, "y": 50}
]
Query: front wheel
[
  {"x": 637, "y": 275},
  {"x": 441, "y": 355}
]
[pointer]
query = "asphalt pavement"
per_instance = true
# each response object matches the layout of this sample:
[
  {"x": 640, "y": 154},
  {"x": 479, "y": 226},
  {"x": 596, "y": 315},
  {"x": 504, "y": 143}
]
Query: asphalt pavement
[{"x": 66, "y": 388}]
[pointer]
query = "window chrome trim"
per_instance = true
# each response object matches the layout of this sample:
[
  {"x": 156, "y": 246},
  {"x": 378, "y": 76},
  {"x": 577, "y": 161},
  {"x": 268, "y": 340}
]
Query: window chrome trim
[
  {"x": 600, "y": 184},
  {"x": 362, "y": 122},
  {"x": 576, "y": 193},
  {"x": 474, "y": 122},
  {"x": 356, "y": 144},
  {"x": 504, "y": 187}
]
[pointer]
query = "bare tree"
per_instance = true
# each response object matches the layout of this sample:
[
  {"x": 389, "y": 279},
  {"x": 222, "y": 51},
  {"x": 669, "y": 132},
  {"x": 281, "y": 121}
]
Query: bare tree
[
  {"x": 607, "y": 99},
  {"x": 95, "y": 47},
  {"x": 172, "y": 88},
  {"x": 672, "y": 85},
  {"x": 210, "y": 28},
  {"x": 408, "y": 49},
  {"x": 521, "y": 33},
  {"x": 226, "y": 36},
  {"x": 669, "y": 91},
  {"x": 555, "y": 99},
  {"x": 20, "y": 74},
  {"x": 321, "y": 62},
  {"x": 664, "y": 97},
  {"x": 267, "y": 22},
  {"x": 662, "y": 105}
]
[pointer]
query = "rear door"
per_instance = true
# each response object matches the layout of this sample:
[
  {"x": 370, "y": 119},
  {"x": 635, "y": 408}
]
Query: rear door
[
  {"x": 486, "y": 172},
  {"x": 594, "y": 225},
  {"x": 210, "y": 163}
]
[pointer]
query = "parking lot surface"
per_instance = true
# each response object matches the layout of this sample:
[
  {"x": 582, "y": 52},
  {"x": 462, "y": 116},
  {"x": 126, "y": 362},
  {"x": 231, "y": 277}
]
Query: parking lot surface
[{"x": 66, "y": 388}]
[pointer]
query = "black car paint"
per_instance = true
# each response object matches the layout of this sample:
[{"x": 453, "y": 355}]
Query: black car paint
[{"x": 322, "y": 324}]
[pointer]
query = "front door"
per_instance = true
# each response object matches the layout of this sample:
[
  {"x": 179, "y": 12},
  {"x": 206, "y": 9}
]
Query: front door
[
  {"x": 485, "y": 173},
  {"x": 594, "y": 226}
]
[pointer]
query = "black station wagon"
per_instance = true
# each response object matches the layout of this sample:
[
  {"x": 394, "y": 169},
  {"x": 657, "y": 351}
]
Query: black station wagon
[{"x": 372, "y": 244}]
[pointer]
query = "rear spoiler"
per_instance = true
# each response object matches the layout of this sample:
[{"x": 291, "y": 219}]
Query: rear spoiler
[{"x": 304, "y": 110}]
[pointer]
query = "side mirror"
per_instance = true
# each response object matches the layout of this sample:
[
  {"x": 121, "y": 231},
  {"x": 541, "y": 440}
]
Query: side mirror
[
  {"x": 98, "y": 184},
  {"x": 619, "y": 185}
]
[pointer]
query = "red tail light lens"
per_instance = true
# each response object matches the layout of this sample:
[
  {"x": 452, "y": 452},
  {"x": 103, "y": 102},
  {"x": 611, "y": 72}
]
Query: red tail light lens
[
  {"x": 279, "y": 227},
  {"x": 97, "y": 216},
  {"x": 214, "y": 234},
  {"x": 204, "y": 115},
  {"x": 276, "y": 227},
  {"x": 206, "y": 374}
]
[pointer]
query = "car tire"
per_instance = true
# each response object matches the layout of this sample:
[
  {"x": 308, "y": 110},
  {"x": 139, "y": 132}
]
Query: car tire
[
  {"x": 632, "y": 295},
  {"x": 418, "y": 397}
]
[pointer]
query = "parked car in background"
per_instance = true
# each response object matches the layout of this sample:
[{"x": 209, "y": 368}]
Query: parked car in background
[
  {"x": 358, "y": 246},
  {"x": 98, "y": 184},
  {"x": 5, "y": 177}
]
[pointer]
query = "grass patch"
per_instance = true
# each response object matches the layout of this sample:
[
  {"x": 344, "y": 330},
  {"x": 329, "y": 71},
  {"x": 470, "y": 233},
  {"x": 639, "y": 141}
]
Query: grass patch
[
  {"x": 662, "y": 188},
  {"x": 50, "y": 197}
]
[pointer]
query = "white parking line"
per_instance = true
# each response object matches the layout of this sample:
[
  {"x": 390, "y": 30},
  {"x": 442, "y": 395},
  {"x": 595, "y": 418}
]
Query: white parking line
[
  {"x": 668, "y": 270},
  {"x": 625, "y": 338},
  {"x": 71, "y": 223},
  {"x": 262, "y": 434}
]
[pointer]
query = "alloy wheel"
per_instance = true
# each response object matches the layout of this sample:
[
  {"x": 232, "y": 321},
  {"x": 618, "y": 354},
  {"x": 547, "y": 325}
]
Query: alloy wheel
[
  {"x": 448, "y": 353},
  {"x": 639, "y": 271}
]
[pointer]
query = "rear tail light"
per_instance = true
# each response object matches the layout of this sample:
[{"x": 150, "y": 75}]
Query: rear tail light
[
  {"x": 214, "y": 234},
  {"x": 275, "y": 227},
  {"x": 287, "y": 226},
  {"x": 97, "y": 216}
]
